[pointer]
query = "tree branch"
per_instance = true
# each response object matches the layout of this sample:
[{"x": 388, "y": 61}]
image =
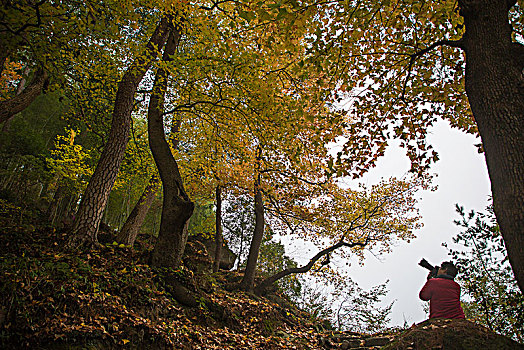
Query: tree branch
[
  {"x": 281, "y": 215},
  {"x": 262, "y": 287},
  {"x": 290, "y": 175},
  {"x": 27, "y": 25},
  {"x": 414, "y": 56}
]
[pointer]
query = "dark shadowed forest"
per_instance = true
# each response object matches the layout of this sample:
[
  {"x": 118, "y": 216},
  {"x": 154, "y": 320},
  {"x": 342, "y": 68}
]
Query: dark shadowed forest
[{"x": 156, "y": 157}]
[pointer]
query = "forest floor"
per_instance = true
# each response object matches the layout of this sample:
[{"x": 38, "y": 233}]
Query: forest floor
[{"x": 110, "y": 298}]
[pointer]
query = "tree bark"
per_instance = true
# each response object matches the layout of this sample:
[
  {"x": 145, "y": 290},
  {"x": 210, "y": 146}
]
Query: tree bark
[
  {"x": 136, "y": 218},
  {"x": 495, "y": 89},
  {"x": 19, "y": 89},
  {"x": 52, "y": 210},
  {"x": 138, "y": 214},
  {"x": 258, "y": 234},
  {"x": 18, "y": 103},
  {"x": 218, "y": 230},
  {"x": 95, "y": 197},
  {"x": 177, "y": 207},
  {"x": 5, "y": 52},
  {"x": 265, "y": 284}
]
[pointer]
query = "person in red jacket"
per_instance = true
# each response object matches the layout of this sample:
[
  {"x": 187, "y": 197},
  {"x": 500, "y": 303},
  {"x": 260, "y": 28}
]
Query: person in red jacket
[{"x": 443, "y": 293}]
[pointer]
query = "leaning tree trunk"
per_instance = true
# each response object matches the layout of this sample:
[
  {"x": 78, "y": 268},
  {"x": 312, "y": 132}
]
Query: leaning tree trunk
[
  {"x": 177, "y": 207},
  {"x": 21, "y": 101},
  {"x": 218, "y": 230},
  {"x": 19, "y": 90},
  {"x": 136, "y": 218},
  {"x": 249, "y": 275},
  {"x": 495, "y": 89},
  {"x": 97, "y": 192}
]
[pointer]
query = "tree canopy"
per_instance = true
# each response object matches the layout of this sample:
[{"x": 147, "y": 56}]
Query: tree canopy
[{"x": 273, "y": 104}]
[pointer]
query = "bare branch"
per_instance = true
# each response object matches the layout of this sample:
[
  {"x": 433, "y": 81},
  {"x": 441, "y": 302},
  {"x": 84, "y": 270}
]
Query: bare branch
[
  {"x": 260, "y": 289},
  {"x": 290, "y": 175},
  {"x": 416, "y": 55}
]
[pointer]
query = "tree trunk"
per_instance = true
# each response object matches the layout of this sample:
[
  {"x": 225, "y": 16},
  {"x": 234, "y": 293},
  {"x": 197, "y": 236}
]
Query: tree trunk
[
  {"x": 258, "y": 234},
  {"x": 19, "y": 90},
  {"x": 8, "y": 47},
  {"x": 97, "y": 192},
  {"x": 136, "y": 218},
  {"x": 495, "y": 89},
  {"x": 241, "y": 247},
  {"x": 4, "y": 53},
  {"x": 18, "y": 103},
  {"x": 52, "y": 210},
  {"x": 21, "y": 85},
  {"x": 177, "y": 207},
  {"x": 218, "y": 230}
]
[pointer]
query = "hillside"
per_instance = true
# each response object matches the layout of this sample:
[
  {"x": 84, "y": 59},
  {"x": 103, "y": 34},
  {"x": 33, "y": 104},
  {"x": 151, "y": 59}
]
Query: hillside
[{"x": 110, "y": 298}]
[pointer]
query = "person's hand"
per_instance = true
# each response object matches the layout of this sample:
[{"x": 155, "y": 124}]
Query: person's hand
[{"x": 429, "y": 275}]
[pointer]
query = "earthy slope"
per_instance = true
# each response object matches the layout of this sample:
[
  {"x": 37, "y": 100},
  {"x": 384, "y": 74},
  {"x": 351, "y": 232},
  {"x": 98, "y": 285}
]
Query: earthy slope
[
  {"x": 451, "y": 335},
  {"x": 110, "y": 298}
]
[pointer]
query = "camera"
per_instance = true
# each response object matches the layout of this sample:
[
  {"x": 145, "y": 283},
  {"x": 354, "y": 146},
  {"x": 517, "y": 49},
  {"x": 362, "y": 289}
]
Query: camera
[{"x": 434, "y": 269}]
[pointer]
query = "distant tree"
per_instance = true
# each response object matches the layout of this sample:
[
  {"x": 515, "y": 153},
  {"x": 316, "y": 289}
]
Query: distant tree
[
  {"x": 202, "y": 222},
  {"x": 69, "y": 161},
  {"x": 25, "y": 147},
  {"x": 341, "y": 301},
  {"x": 273, "y": 258},
  {"x": 492, "y": 297},
  {"x": 238, "y": 223},
  {"x": 361, "y": 310},
  {"x": 218, "y": 228},
  {"x": 344, "y": 221}
]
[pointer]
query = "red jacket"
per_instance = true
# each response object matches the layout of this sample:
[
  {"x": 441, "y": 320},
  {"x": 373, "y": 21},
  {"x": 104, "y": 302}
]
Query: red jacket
[{"x": 444, "y": 297}]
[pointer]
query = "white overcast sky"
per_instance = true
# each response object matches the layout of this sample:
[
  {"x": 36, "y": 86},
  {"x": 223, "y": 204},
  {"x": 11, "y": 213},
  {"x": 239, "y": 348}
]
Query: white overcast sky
[{"x": 462, "y": 178}]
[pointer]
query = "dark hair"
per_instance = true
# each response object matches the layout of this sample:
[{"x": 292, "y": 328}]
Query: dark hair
[{"x": 450, "y": 268}]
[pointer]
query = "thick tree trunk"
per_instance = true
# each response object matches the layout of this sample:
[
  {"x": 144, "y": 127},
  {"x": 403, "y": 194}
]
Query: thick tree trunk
[
  {"x": 249, "y": 275},
  {"x": 177, "y": 207},
  {"x": 97, "y": 192},
  {"x": 19, "y": 90},
  {"x": 137, "y": 216},
  {"x": 218, "y": 230},
  {"x": 18, "y": 103},
  {"x": 495, "y": 89}
]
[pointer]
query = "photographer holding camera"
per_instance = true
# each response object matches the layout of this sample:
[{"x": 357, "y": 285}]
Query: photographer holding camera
[{"x": 442, "y": 291}]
